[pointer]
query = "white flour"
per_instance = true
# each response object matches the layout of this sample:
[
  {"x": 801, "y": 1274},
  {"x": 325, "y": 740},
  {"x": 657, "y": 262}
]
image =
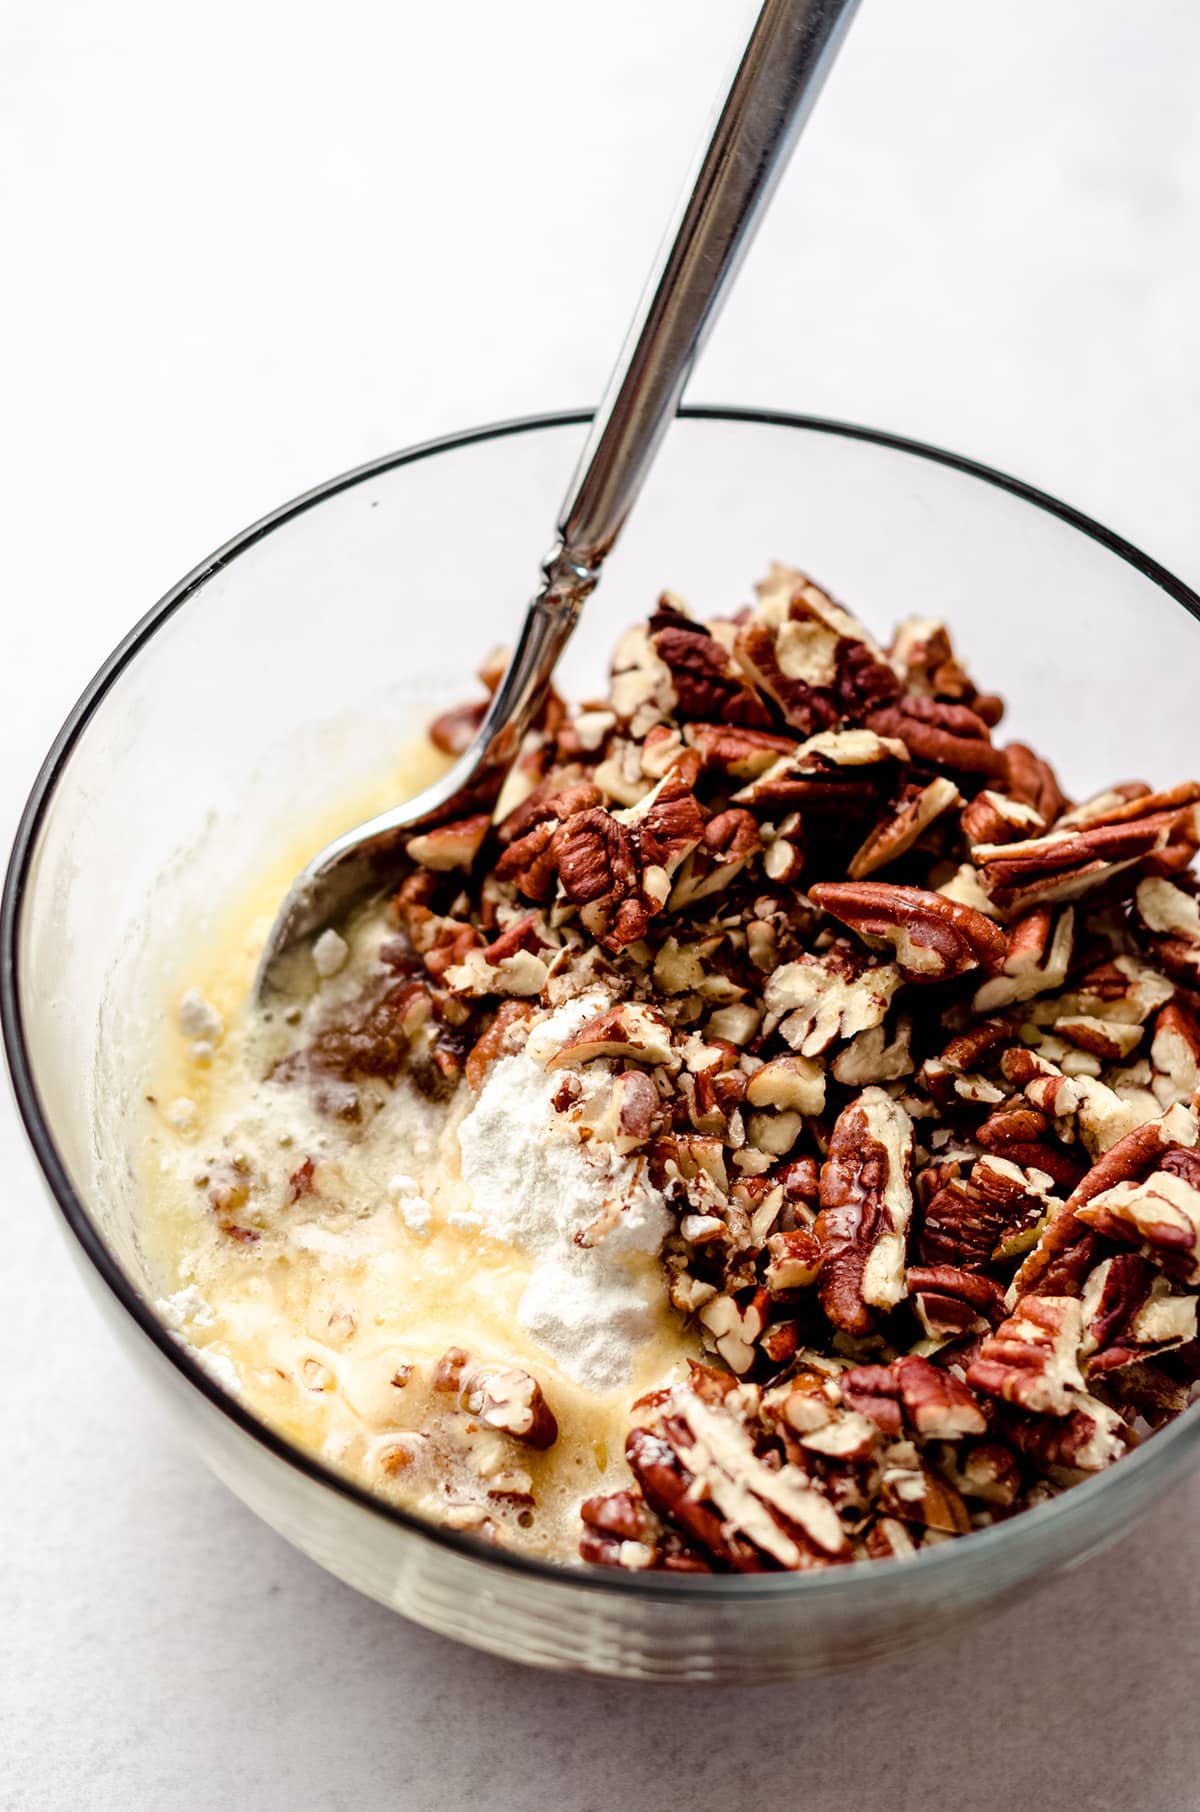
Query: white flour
[{"x": 535, "y": 1185}]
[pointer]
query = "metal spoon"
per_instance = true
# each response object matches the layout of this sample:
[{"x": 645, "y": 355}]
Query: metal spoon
[{"x": 789, "y": 53}]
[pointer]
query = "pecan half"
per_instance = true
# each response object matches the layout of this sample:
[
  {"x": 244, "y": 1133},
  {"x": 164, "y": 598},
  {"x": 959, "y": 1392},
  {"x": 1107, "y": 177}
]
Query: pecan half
[
  {"x": 933, "y": 938},
  {"x": 866, "y": 1205},
  {"x": 940, "y": 735}
]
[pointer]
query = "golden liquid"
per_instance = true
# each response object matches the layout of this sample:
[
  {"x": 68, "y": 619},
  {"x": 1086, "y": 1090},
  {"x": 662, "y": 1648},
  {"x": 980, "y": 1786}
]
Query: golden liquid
[{"x": 330, "y": 1320}]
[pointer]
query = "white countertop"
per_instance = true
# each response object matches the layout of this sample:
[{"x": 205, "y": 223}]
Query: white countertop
[{"x": 249, "y": 244}]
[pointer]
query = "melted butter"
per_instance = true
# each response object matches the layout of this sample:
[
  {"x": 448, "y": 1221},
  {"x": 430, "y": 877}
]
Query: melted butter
[{"x": 330, "y": 1318}]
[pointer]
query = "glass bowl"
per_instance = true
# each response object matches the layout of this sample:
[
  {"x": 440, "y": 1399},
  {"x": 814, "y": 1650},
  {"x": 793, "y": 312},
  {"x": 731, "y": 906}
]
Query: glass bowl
[{"x": 284, "y": 672}]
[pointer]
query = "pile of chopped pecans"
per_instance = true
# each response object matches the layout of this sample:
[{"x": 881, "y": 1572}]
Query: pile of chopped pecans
[{"x": 909, "y": 1043}]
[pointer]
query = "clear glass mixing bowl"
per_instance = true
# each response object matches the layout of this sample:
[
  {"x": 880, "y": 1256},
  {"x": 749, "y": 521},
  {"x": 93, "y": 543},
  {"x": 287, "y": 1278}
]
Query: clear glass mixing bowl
[{"x": 285, "y": 671}]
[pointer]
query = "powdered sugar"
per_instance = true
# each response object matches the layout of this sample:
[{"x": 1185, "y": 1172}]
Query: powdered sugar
[{"x": 535, "y": 1185}]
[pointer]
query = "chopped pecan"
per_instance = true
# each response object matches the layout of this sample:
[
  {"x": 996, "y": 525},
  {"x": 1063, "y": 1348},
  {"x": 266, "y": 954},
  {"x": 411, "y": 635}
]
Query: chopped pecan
[
  {"x": 921, "y": 651},
  {"x": 1022, "y": 1135},
  {"x": 707, "y": 683},
  {"x": 732, "y": 836},
  {"x": 698, "y": 1467},
  {"x": 833, "y": 995},
  {"x": 1033, "y": 781},
  {"x": 810, "y": 655},
  {"x": 951, "y": 1302},
  {"x": 1086, "y": 851},
  {"x": 788, "y": 1082},
  {"x": 669, "y": 822},
  {"x": 1170, "y": 914},
  {"x": 839, "y": 772},
  {"x": 915, "y": 1493},
  {"x": 972, "y": 1222},
  {"x": 866, "y": 1205},
  {"x": 1035, "y": 961},
  {"x": 1129, "y": 1313},
  {"x": 510, "y": 1400},
  {"x": 736, "y": 753},
  {"x": 1032, "y": 1360},
  {"x": 450, "y": 845},
  {"x": 620, "y": 1530},
  {"x": 933, "y": 938},
  {"x": 911, "y": 817},
  {"x": 910, "y": 1393},
  {"x": 627, "y": 1029},
  {"x": 940, "y": 735},
  {"x": 1089, "y": 1437},
  {"x": 1159, "y": 1213},
  {"x": 1175, "y": 1055},
  {"x": 993, "y": 818},
  {"x": 1125, "y": 1165},
  {"x": 504, "y": 1034},
  {"x": 795, "y": 1260}
]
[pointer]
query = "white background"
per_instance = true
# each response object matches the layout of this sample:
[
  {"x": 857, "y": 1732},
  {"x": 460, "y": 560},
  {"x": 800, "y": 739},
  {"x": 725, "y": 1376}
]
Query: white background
[{"x": 249, "y": 243}]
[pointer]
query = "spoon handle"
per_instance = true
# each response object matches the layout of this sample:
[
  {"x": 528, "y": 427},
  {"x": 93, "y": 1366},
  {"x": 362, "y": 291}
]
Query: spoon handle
[
  {"x": 788, "y": 56},
  {"x": 790, "y": 52}
]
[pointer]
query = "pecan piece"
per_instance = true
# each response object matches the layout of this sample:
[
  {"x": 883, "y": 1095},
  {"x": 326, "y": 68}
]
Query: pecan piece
[
  {"x": 834, "y": 995},
  {"x": 795, "y": 1260},
  {"x": 1126, "y": 1163},
  {"x": 628, "y": 1029},
  {"x": 1032, "y": 1360},
  {"x": 510, "y": 1400},
  {"x": 449, "y": 846},
  {"x": 1035, "y": 961},
  {"x": 921, "y": 651},
  {"x": 736, "y": 753},
  {"x": 1175, "y": 1055},
  {"x": 839, "y": 772},
  {"x": 1170, "y": 914},
  {"x": 1159, "y": 1213},
  {"x": 933, "y": 938},
  {"x": 1089, "y": 1437},
  {"x": 1118, "y": 1330},
  {"x": 620, "y": 1530},
  {"x": 1033, "y": 781},
  {"x": 911, "y": 1393},
  {"x": 940, "y": 735},
  {"x": 704, "y": 674},
  {"x": 917, "y": 809},
  {"x": 952, "y": 1303},
  {"x": 810, "y": 655},
  {"x": 915, "y": 1493},
  {"x": 698, "y": 1467},
  {"x": 502, "y": 1036},
  {"x": 1087, "y": 849},
  {"x": 866, "y": 1205}
]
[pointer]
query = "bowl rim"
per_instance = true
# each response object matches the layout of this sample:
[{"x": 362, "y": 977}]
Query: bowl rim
[{"x": 940, "y": 1562}]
